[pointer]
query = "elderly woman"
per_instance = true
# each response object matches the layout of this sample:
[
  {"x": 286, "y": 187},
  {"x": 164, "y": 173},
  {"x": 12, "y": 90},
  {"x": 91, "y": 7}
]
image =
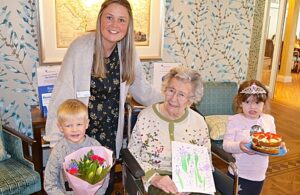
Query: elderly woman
[{"x": 171, "y": 120}]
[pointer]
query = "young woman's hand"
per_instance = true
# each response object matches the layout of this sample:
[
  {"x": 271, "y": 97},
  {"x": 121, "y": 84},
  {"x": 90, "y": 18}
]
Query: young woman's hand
[
  {"x": 245, "y": 149},
  {"x": 166, "y": 184}
]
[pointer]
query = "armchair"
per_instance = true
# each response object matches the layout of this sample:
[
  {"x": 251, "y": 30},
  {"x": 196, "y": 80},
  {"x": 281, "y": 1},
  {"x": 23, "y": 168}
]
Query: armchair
[
  {"x": 218, "y": 97},
  {"x": 217, "y": 101},
  {"x": 296, "y": 60},
  {"x": 18, "y": 175}
]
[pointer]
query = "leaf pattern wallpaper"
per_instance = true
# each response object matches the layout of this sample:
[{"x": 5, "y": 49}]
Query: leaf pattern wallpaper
[
  {"x": 211, "y": 36},
  {"x": 19, "y": 59}
]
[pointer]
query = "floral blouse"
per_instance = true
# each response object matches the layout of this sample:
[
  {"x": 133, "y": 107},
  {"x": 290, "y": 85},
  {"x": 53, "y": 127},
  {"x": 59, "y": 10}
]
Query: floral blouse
[
  {"x": 151, "y": 138},
  {"x": 103, "y": 104}
]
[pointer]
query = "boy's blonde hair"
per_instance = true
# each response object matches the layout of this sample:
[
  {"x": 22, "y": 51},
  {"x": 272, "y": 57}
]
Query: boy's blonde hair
[{"x": 72, "y": 108}]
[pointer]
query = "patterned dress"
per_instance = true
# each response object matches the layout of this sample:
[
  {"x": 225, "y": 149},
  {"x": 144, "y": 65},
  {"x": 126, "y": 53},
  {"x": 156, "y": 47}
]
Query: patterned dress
[{"x": 104, "y": 103}]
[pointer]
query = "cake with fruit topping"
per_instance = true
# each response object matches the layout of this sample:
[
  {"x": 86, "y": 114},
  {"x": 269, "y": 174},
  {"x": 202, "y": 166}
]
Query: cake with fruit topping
[{"x": 266, "y": 142}]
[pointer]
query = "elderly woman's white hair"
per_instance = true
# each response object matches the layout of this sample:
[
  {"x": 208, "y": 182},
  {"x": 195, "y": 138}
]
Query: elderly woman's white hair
[{"x": 185, "y": 74}]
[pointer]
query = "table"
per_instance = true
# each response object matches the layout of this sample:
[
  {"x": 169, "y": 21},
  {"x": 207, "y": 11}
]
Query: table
[{"x": 38, "y": 126}]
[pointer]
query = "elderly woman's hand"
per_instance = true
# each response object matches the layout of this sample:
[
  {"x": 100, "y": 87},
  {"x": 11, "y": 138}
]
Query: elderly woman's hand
[{"x": 164, "y": 183}]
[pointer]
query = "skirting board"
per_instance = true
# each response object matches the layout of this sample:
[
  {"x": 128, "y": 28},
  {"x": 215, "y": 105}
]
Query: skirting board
[{"x": 284, "y": 79}]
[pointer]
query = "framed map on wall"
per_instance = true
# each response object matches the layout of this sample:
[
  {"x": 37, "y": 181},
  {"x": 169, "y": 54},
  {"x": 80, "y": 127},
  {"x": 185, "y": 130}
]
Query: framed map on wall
[{"x": 61, "y": 21}]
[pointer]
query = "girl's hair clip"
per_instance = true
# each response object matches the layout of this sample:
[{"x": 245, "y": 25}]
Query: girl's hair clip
[{"x": 253, "y": 89}]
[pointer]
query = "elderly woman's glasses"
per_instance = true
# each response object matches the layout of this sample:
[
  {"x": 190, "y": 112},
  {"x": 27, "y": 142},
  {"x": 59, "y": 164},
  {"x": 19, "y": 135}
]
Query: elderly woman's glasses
[{"x": 181, "y": 96}]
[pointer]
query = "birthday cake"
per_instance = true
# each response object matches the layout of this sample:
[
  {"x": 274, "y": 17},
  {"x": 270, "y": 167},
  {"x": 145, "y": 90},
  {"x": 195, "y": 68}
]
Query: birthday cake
[{"x": 266, "y": 142}]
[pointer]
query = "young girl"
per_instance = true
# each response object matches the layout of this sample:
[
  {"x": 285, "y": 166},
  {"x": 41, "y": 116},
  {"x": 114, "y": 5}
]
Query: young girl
[{"x": 250, "y": 103}]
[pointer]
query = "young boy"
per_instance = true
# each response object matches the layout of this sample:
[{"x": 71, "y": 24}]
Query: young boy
[{"x": 72, "y": 121}]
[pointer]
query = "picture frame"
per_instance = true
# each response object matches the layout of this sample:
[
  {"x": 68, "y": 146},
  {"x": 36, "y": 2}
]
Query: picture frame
[{"x": 50, "y": 53}]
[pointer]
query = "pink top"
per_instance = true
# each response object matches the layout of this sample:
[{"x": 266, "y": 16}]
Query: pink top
[{"x": 251, "y": 167}]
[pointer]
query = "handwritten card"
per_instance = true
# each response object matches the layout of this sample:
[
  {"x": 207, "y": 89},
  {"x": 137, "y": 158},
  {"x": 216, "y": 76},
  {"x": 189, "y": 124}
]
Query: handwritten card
[{"x": 191, "y": 168}]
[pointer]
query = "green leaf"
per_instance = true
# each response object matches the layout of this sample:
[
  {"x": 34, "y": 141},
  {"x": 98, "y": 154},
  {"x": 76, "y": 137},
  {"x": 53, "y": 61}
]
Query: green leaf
[
  {"x": 100, "y": 177},
  {"x": 184, "y": 164}
]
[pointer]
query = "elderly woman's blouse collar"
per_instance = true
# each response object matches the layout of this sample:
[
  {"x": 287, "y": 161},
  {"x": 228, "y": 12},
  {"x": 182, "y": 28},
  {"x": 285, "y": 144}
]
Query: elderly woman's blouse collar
[{"x": 183, "y": 117}]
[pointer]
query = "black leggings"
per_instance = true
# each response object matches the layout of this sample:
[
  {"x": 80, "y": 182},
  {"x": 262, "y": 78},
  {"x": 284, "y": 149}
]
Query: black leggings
[{"x": 248, "y": 187}]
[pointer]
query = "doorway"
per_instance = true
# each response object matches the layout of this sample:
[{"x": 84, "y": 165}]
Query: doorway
[
  {"x": 273, "y": 28},
  {"x": 269, "y": 61}
]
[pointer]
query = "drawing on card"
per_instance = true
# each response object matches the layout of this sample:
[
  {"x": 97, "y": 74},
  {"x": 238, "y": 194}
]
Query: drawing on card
[{"x": 191, "y": 168}]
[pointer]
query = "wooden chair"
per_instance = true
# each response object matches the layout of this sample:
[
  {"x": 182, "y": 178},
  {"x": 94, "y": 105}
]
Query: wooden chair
[
  {"x": 296, "y": 60},
  {"x": 269, "y": 49}
]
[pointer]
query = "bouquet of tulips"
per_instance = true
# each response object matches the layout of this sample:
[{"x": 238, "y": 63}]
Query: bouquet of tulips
[{"x": 87, "y": 168}]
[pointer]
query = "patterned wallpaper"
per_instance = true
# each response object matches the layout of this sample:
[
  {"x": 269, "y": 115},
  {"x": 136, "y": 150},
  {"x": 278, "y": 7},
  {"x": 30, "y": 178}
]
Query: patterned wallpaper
[
  {"x": 212, "y": 36},
  {"x": 255, "y": 39},
  {"x": 19, "y": 59}
]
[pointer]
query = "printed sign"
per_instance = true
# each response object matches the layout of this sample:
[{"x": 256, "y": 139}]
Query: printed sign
[
  {"x": 161, "y": 69},
  {"x": 46, "y": 76}
]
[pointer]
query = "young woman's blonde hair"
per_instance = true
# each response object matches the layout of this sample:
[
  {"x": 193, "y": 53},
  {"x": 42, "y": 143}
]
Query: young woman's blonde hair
[
  {"x": 72, "y": 108},
  {"x": 185, "y": 74},
  {"x": 127, "y": 46},
  {"x": 242, "y": 97}
]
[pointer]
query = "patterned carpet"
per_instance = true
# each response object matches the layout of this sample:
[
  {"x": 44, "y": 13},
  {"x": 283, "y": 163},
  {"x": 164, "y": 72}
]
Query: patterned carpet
[
  {"x": 283, "y": 174},
  {"x": 277, "y": 168}
]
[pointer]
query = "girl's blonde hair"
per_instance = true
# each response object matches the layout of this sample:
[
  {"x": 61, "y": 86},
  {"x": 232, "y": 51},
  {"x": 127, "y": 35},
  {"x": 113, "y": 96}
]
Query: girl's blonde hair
[
  {"x": 72, "y": 108},
  {"x": 127, "y": 46},
  {"x": 242, "y": 97}
]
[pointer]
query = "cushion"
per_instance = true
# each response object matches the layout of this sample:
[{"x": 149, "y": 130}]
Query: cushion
[
  {"x": 18, "y": 178},
  {"x": 3, "y": 154},
  {"x": 217, "y": 125}
]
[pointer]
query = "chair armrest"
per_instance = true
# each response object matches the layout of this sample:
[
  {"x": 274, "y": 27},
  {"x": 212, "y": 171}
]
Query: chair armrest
[
  {"x": 223, "y": 183},
  {"x": 23, "y": 148},
  {"x": 16, "y": 150},
  {"x": 132, "y": 109},
  {"x": 217, "y": 150},
  {"x": 131, "y": 163}
]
